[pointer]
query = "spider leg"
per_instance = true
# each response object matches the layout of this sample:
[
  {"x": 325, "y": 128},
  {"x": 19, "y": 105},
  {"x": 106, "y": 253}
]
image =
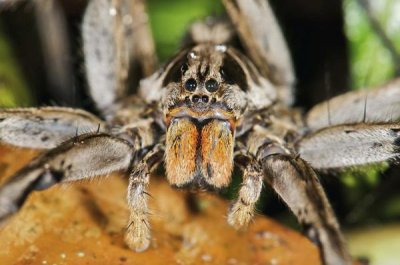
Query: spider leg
[
  {"x": 52, "y": 28},
  {"x": 298, "y": 186},
  {"x": 263, "y": 42},
  {"x": 115, "y": 34},
  {"x": 44, "y": 127},
  {"x": 82, "y": 157},
  {"x": 143, "y": 48},
  {"x": 344, "y": 146},
  {"x": 137, "y": 236},
  {"x": 242, "y": 209},
  {"x": 381, "y": 104}
]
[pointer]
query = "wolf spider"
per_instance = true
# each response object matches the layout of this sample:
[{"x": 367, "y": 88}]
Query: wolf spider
[{"x": 213, "y": 105}]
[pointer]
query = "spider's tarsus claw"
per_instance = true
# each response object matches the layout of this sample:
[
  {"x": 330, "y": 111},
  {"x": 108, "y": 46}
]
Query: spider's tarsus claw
[
  {"x": 137, "y": 236},
  {"x": 137, "y": 244},
  {"x": 240, "y": 215},
  {"x": 7, "y": 209},
  {"x": 143, "y": 248},
  {"x": 10, "y": 203}
]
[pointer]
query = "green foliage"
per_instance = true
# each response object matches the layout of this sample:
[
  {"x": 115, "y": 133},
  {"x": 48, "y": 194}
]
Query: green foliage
[
  {"x": 170, "y": 19},
  {"x": 371, "y": 62},
  {"x": 371, "y": 65},
  {"x": 360, "y": 181},
  {"x": 13, "y": 90},
  {"x": 369, "y": 175}
]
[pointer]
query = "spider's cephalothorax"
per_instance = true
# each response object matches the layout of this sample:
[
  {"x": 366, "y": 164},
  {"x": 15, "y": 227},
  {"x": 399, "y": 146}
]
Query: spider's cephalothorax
[
  {"x": 200, "y": 121},
  {"x": 203, "y": 106},
  {"x": 212, "y": 106},
  {"x": 207, "y": 89}
]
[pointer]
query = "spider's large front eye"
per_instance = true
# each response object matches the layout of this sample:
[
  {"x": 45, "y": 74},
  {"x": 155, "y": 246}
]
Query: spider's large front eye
[
  {"x": 191, "y": 84},
  {"x": 212, "y": 85}
]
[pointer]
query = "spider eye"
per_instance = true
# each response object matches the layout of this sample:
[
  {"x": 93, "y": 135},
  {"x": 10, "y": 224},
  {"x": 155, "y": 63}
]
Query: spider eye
[
  {"x": 212, "y": 85},
  {"x": 191, "y": 84}
]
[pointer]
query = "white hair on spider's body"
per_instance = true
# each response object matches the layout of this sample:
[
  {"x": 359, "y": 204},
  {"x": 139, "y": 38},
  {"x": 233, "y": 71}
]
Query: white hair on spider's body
[{"x": 212, "y": 31}]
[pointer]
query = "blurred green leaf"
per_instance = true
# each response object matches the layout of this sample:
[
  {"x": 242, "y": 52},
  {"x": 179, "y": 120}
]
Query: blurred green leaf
[
  {"x": 371, "y": 62},
  {"x": 391, "y": 207},
  {"x": 13, "y": 90},
  {"x": 170, "y": 19}
]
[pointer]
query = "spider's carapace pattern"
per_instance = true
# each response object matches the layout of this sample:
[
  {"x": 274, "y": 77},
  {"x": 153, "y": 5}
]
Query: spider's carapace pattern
[{"x": 214, "y": 105}]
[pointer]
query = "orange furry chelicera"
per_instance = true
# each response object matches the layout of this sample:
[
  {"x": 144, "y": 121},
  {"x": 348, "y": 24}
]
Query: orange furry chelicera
[
  {"x": 199, "y": 153},
  {"x": 217, "y": 153},
  {"x": 181, "y": 151}
]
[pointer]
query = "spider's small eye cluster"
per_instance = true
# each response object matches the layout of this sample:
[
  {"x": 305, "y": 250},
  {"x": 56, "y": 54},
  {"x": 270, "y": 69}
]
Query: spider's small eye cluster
[{"x": 211, "y": 85}]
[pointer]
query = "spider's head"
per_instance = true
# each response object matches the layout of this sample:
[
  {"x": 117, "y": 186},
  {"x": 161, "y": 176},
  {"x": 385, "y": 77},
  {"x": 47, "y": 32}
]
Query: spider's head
[{"x": 204, "y": 101}]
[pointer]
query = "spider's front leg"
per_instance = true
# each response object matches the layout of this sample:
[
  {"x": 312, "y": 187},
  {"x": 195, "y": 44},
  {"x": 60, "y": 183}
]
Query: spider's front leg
[
  {"x": 138, "y": 232},
  {"x": 297, "y": 184},
  {"x": 82, "y": 157},
  {"x": 242, "y": 209}
]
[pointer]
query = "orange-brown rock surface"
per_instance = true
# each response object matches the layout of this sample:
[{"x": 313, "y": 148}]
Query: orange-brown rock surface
[{"x": 84, "y": 223}]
